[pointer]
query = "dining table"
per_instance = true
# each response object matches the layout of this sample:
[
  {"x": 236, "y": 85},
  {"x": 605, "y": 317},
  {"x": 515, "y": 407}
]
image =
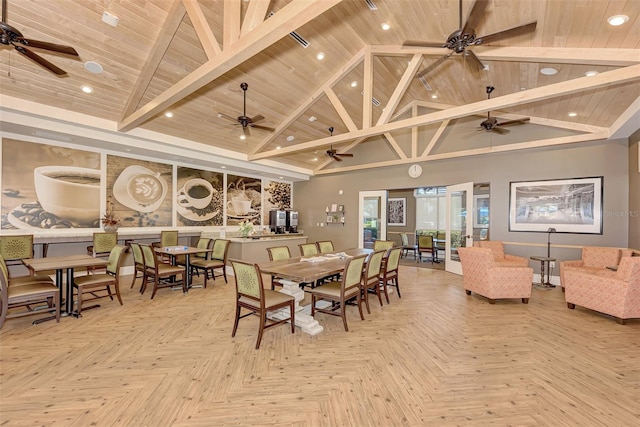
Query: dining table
[
  {"x": 59, "y": 264},
  {"x": 296, "y": 270},
  {"x": 175, "y": 251}
]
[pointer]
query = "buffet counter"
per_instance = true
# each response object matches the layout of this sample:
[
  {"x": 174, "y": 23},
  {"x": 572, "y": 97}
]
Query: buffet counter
[{"x": 254, "y": 249}]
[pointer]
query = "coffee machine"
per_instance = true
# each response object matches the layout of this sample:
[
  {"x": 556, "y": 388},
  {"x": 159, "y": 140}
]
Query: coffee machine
[
  {"x": 292, "y": 221},
  {"x": 277, "y": 221}
]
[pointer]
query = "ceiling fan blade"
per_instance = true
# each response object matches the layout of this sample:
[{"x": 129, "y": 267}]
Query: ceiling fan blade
[
  {"x": 514, "y": 122},
  {"x": 336, "y": 158},
  {"x": 433, "y": 65},
  {"x": 476, "y": 13},
  {"x": 345, "y": 154},
  {"x": 510, "y": 32},
  {"x": 224, "y": 116},
  {"x": 267, "y": 128},
  {"x": 500, "y": 130},
  {"x": 418, "y": 43},
  {"x": 40, "y": 60},
  {"x": 48, "y": 46},
  {"x": 257, "y": 118},
  {"x": 474, "y": 60}
]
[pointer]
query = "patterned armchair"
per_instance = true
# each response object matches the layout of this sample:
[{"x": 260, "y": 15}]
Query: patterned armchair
[
  {"x": 616, "y": 294},
  {"x": 594, "y": 259},
  {"x": 505, "y": 260},
  {"x": 484, "y": 276}
]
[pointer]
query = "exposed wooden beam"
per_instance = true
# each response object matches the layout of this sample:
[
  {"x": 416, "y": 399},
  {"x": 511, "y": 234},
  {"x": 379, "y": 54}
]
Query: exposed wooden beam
[
  {"x": 621, "y": 75},
  {"x": 367, "y": 106},
  {"x": 394, "y": 144},
  {"x": 231, "y": 22},
  {"x": 400, "y": 89},
  {"x": 256, "y": 12},
  {"x": 167, "y": 32},
  {"x": 203, "y": 30},
  {"x": 342, "y": 112},
  {"x": 290, "y": 17},
  {"x": 414, "y": 132},
  {"x": 628, "y": 122},
  {"x": 344, "y": 150},
  {"x": 436, "y": 137}
]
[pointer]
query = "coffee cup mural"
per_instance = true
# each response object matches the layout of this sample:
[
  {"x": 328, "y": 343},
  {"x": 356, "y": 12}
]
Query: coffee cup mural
[
  {"x": 196, "y": 193},
  {"x": 140, "y": 188},
  {"x": 239, "y": 205}
]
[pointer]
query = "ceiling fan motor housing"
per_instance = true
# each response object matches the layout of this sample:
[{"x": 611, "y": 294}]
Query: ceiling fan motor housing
[{"x": 459, "y": 41}]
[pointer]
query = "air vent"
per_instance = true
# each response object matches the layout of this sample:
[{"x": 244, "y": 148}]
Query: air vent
[
  {"x": 372, "y": 5},
  {"x": 373, "y": 100},
  {"x": 424, "y": 83},
  {"x": 297, "y": 37}
]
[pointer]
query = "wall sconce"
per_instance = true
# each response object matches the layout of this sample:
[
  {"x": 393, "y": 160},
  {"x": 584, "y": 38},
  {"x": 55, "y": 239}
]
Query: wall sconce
[{"x": 549, "y": 231}]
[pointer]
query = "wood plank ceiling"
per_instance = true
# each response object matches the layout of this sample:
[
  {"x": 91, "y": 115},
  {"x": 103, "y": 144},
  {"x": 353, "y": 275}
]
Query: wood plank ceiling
[{"x": 189, "y": 57}]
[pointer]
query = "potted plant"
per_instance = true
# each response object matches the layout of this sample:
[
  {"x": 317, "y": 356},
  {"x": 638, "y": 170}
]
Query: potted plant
[{"x": 109, "y": 221}]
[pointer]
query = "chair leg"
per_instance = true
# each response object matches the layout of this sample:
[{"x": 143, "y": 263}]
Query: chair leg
[
  {"x": 492, "y": 301},
  {"x": 293, "y": 316},
  {"x": 366, "y": 299},
  {"x": 525, "y": 300},
  {"x": 118, "y": 293},
  {"x": 263, "y": 317},
  {"x": 620, "y": 321},
  {"x": 155, "y": 287},
  {"x": 343, "y": 313},
  {"x": 571, "y": 306},
  {"x": 235, "y": 323},
  {"x": 468, "y": 291},
  {"x": 396, "y": 284},
  {"x": 380, "y": 295},
  {"x": 359, "y": 302}
]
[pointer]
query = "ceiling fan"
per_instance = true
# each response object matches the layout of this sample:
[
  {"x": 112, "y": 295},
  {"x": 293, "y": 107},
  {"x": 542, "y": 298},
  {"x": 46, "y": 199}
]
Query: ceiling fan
[
  {"x": 245, "y": 121},
  {"x": 465, "y": 36},
  {"x": 11, "y": 36},
  {"x": 491, "y": 124},
  {"x": 333, "y": 154}
]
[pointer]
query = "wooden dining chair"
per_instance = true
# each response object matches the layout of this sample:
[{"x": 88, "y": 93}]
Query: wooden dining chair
[
  {"x": 251, "y": 295},
  {"x": 167, "y": 238},
  {"x": 160, "y": 272},
  {"x": 406, "y": 246},
  {"x": 15, "y": 248},
  {"x": 389, "y": 272},
  {"x": 218, "y": 259},
  {"x": 380, "y": 245},
  {"x": 325, "y": 246},
  {"x": 138, "y": 265},
  {"x": 103, "y": 243},
  {"x": 26, "y": 295},
  {"x": 203, "y": 243},
  {"x": 308, "y": 249},
  {"x": 277, "y": 253},
  {"x": 338, "y": 293},
  {"x": 371, "y": 277},
  {"x": 101, "y": 285},
  {"x": 425, "y": 246}
]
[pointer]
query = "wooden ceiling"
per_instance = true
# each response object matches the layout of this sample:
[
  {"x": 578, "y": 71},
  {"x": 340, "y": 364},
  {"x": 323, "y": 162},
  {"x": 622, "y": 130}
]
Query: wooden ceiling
[{"x": 189, "y": 57}]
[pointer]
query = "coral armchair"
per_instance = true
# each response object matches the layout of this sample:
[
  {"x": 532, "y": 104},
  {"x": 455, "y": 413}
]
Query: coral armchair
[
  {"x": 484, "y": 276},
  {"x": 615, "y": 294},
  {"x": 594, "y": 259},
  {"x": 505, "y": 260}
]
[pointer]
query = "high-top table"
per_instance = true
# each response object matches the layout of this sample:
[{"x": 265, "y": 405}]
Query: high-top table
[
  {"x": 60, "y": 263},
  {"x": 294, "y": 271},
  {"x": 175, "y": 251}
]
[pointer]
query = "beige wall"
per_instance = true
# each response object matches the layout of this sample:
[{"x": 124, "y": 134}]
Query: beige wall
[
  {"x": 598, "y": 158},
  {"x": 634, "y": 192}
]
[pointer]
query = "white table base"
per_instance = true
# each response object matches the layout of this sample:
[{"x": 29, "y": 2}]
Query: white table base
[{"x": 307, "y": 323}]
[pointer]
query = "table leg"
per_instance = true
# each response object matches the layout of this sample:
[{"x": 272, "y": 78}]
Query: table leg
[{"x": 307, "y": 323}]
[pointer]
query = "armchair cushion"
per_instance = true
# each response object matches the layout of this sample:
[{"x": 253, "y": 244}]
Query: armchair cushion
[
  {"x": 595, "y": 259},
  {"x": 497, "y": 249}
]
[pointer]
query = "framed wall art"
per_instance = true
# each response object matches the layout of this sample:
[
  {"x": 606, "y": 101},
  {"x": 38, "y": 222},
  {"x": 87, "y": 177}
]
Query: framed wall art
[
  {"x": 397, "y": 211},
  {"x": 481, "y": 211},
  {"x": 568, "y": 205}
]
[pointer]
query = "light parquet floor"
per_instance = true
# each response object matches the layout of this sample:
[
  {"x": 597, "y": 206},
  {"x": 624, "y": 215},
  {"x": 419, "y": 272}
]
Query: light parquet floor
[{"x": 436, "y": 357}]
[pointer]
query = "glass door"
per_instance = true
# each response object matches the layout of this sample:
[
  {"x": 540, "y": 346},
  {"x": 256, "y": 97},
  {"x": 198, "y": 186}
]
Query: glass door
[
  {"x": 459, "y": 229},
  {"x": 373, "y": 218}
]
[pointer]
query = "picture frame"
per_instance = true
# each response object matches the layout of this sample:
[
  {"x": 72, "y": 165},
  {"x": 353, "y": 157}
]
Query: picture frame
[
  {"x": 329, "y": 218},
  {"x": 481, "y": 211},
  {"x": 569, "y": 205},
  {"x": 334, "y": 207},
  {"x": 397, "y": 211},
  {"x": 340, "y": 208}
]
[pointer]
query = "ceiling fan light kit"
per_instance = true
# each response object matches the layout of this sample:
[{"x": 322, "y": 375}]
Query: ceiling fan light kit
[{"x": 245, "y": 121}]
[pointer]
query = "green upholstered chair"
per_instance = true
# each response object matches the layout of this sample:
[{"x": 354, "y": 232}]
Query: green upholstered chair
[
  {"x": 380, "y": 245},
  {"x": 251, "y": 295},
  {"x": 340, "y": 292},
  {"x": 371, "y": 277},
  {"x": 389, "y": 272},
  {"x": 278, "y": 253},
  {"x": 425, "y": 246},
  {"x": 16, "y": 248},
  {"x": 101, "y": 285},
  {"x": 218, "y": 259},
  {"x": 138, "y": 264},
  {"x": 308, "y": 249},
  {"x": 167, "y": 238},
  {"x": 325, "y": 246},
  {"x": 103, "y": 243},
  {"x": 406, "y": 246},
  {"x": 159, "y": 272}
]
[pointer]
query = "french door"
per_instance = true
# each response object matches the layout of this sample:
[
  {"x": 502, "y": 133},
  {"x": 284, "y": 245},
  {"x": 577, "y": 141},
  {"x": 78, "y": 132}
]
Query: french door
[
  {"x": 459, "y": 226},
  {"x": 372, "y": 214}
]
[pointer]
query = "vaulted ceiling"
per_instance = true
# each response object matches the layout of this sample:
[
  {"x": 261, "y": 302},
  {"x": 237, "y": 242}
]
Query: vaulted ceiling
[{"x": 190, "y": 56}]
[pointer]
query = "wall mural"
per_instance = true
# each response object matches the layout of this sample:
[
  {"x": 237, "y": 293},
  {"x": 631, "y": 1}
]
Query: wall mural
[
  {"x": 244, "y": 199},
  {"x": 140, "y": 191},
  {"x": 199, "y": 198},
  {"x": 277, "y": 195},
  {"x": 49, "y": 187}
]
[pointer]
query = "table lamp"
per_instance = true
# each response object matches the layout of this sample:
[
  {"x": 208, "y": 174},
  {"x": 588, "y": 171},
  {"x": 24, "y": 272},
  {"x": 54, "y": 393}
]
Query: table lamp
[{"x": 549, "y": 231}]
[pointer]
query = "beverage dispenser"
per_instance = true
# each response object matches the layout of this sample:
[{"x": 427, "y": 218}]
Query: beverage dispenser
[
  {"x": 292, "y": 221},
  {"x": 277, "y": 221}
]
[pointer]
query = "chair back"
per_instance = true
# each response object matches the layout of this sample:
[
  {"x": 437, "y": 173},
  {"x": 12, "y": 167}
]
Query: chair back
[
  {"x": 220, "y": 250},
  {"x": 352, "y": 273},
  {"x": 15, "y": 248},
  {"x": 203, "y": 243},
  {"x": 392, "y": 259},
  {"x": 115, "y": 259},
  {"x": 325, "y": 246},
  {"x": 169, "y": 238},
  {"x": 248, "y": 281},
  {"x": 149, "y": 256},
  {"x": 380, "y": 245},
  {"x": 496, "y": 246},
  {"x": 374, "y": 263},
  {"x": 3, "y": 269},
  {"x": 138, "y": 257},
  {"x": 404, "y": 239},
  {"x": 425, "y": 242},
  {"x": 308, "y": 249},
  {"x": 104, "y": 242},
  {"x": 278, "y": 253}
]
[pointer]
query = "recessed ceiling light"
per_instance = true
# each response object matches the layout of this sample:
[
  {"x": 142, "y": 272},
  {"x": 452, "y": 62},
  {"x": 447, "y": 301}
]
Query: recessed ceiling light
[
  {"x": 354, "y": 84},
  {"x": 278, "y": 147},
  {"x": 223, "y": 167},
  {"x": 87, "y": 89},
  {"x": 312, "y": 119},
  {"x": 523, "y": 88},
  {"x": 128, "y": 150},
  {"x": 617, "y": 20},
  {"x": 93, "y": 67},
  {"x": 548, "y": 71},
  {"x": 591, "y": 73},
  {"x": 315, "y": 159},
  {"x": 291, "y": 138},
  {"x": 320, "y": 56},
  {"x": 572, "y": 114},
  {"x": 168, "y": 114},
  {"x": 385, "y": 26},
  {"x": 434, "y": 96},
  {"x": 243, "y": 137},
  {"x": 110, "y": 19},
  {"x": 281, "y": 177}
]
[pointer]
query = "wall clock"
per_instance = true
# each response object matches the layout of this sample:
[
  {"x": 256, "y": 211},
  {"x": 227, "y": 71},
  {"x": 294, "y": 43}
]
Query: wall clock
[{"x": 415, "y": 171}]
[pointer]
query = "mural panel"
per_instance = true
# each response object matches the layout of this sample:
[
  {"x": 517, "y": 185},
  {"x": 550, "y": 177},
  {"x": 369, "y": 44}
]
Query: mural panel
[
  {"x": 277, "y": 195},
  {"x": 49, "y": 187},
  {"x": 140, "y": 191},
  {"x": 199, "y": 198},
  {"x": 244, "y": 199}
]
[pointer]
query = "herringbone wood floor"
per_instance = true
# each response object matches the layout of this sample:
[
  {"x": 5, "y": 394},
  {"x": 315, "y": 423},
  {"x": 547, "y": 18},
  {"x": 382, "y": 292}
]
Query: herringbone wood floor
[{"x": 436, "y": 357}]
